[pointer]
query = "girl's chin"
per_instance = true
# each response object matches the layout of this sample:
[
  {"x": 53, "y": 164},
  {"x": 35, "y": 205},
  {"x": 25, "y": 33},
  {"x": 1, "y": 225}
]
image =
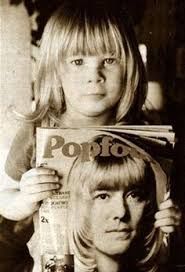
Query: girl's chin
[{"x": 95, "y": 111}]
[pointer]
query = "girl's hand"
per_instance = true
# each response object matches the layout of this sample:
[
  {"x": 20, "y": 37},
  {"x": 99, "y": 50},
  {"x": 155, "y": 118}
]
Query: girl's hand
[
  {"x": 168, "y": 217},
  {"x": 36, "y": 185}
]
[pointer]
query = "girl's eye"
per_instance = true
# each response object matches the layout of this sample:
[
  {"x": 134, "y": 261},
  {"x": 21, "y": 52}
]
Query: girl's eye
[
  {"x": 109, "y": 61},
  {"x": 77, "y": 62}
]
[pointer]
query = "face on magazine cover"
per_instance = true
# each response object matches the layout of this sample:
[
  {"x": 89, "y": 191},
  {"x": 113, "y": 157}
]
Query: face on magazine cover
[
  {"x": 92, "y": 84},
  {"x": 115, "y": 203},
  {"x": 115, "y": 218}
]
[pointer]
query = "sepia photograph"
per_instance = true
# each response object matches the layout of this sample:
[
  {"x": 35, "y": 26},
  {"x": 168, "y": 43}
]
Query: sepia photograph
[{"x": 92, "y": 136}]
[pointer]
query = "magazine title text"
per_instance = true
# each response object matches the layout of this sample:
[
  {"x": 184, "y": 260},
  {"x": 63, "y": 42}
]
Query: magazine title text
[{"x": 105, "y": 147}]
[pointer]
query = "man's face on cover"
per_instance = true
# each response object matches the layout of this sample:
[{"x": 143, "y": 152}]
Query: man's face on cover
[{"x": 115, "y": 217}]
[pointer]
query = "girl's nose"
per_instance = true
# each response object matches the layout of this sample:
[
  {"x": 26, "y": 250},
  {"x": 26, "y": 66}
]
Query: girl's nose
[{"x": 95, "y": 75}]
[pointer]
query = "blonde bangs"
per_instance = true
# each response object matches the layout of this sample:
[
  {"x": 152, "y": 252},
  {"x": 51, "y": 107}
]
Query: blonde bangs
[{"x": 87, "y": 39}]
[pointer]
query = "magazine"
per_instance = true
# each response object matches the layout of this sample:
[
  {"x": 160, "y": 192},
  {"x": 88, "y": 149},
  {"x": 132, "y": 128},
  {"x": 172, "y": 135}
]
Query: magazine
[{"x": 73, "y": 153}]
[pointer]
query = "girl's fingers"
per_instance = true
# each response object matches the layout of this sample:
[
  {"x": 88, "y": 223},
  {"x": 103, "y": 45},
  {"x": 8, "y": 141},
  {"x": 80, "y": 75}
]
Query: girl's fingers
[
  {"x": 38, "y": 171},
  {"x": 39, "y": 179},
  {"x": 168, "y": 229},
  {"x": 168, "y": 216},
  {"x": 34, "y": 198},
  {"x": 170, "y": 212},
  {"x": 38, "y": 188},
  {"x": 166, "y": 222},
  {"x": 39, "y": 176},
  {"x": 166, "y": 204},
  {"x": 38, "y": 184}
]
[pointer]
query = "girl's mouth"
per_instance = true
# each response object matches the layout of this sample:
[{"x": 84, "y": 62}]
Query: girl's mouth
[{"x": 95, "y": 94}]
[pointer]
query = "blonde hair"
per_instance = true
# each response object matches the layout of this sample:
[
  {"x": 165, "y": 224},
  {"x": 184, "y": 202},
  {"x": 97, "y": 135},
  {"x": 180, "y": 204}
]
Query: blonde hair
[
  {"x": 111, "y": 172},
  {"x": 88, "y": 29}
]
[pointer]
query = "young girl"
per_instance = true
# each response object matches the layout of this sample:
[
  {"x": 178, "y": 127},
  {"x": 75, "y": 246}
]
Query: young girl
[
  {"x": 113, "y": 202},
  {"x": 90, "y": 73}
]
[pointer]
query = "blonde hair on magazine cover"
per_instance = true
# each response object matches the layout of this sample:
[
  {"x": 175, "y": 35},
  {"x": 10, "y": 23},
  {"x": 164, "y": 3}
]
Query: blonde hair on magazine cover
[
  {"x": 88, "y": 29},
  {"x": 113, "y": 173}
]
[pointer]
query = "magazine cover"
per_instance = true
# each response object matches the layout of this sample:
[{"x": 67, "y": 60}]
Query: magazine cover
[{"x": 103, "y": 170}]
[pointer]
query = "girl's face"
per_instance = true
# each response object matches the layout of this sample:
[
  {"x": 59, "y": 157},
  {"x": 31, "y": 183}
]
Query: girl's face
[
  {"x": 115, "y": 218},
  {"x": 92, "y": 84}
]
